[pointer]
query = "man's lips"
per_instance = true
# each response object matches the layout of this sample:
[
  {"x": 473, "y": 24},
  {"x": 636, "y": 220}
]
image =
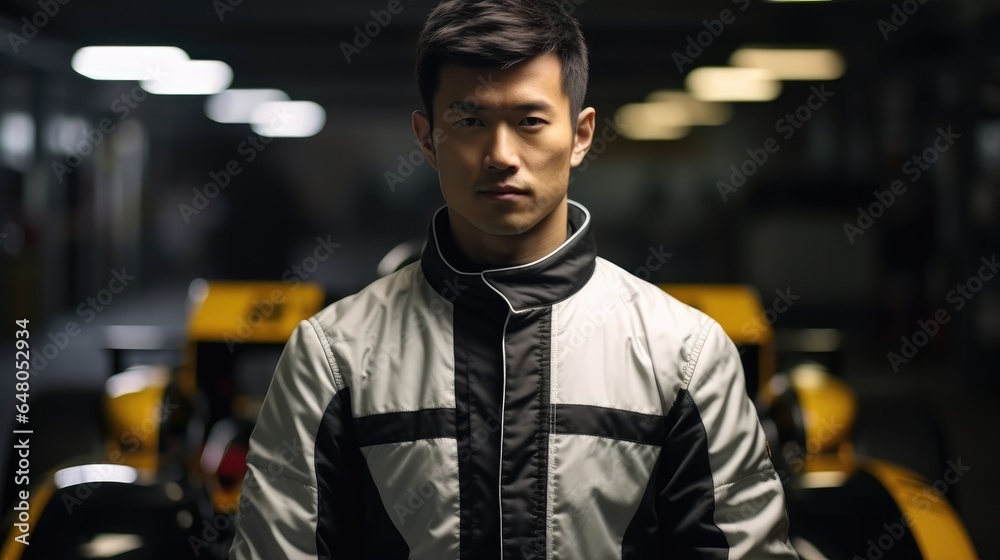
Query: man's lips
[
  {"x": 503, "y": 192},
  {"x": 503, "y": 189}
]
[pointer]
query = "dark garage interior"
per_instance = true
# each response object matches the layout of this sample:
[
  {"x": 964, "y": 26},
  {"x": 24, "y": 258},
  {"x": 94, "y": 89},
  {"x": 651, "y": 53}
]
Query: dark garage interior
[{"x": 863, "y": 206}]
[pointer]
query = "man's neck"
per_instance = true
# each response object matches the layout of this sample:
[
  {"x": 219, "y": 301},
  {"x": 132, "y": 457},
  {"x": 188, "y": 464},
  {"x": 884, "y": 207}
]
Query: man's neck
[{"x": 499, "y": 251}]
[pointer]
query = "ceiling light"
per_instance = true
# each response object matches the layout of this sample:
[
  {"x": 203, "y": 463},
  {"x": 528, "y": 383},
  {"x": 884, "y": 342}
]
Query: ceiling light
[
  {"x": 289, "y": 119},
  {"x": 723, "y": 83},
  {"x": 663, "y": 115},
  {"x": 192, "y": 77},
  {"x": 792, "y": 64},
  {"x": 652, "y": 121},
  {"x": 698, "y": 112},
  {"x": 648, "y": 133},
  {"x": 124, "y": 63},
  {"x": 237, "y": 105}
]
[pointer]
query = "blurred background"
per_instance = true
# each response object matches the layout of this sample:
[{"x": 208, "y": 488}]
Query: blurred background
[{"x": 843, "y": 158}]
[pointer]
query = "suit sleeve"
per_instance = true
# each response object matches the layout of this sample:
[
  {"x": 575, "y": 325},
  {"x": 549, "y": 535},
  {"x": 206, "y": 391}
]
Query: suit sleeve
[
  {"x": 722, "y": 478},
  {"x": 300, "y": 487}
]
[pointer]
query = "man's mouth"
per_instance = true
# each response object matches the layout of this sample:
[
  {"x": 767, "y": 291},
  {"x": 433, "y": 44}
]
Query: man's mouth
[{"x": 503, "y": 192}]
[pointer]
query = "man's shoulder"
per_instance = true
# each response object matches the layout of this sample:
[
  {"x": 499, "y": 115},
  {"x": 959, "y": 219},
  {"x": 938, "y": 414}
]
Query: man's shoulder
[
  {"x": 370, "y": 304},
  {"x": 649, "y": 299}
]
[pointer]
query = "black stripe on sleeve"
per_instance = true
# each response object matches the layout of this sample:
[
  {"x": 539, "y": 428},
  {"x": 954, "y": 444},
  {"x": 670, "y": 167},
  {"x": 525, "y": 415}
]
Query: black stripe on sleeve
[
  {"x": 351, "y": 520},
  {"x": 676, "y": 517}
]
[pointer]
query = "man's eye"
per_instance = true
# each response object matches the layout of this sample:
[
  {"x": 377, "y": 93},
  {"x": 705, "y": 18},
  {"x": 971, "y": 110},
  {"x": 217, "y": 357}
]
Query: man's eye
[
  {"x": 532, "y": 121},
  {"x": 467, "y": 122}
]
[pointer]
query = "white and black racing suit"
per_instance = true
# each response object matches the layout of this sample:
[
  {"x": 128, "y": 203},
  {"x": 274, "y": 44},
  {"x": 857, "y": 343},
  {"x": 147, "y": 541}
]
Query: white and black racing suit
[{"x": 561, "y": 409}]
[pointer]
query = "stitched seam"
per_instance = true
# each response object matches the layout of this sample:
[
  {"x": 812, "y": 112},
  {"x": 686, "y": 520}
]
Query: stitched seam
[
  {"x": 695, "y": 353},
  {"x": 554, "y": 368},
  {"x": 540, "y": 492},
  {"x": 550, "y": 502},
  {"x": 338, "y": 381}
]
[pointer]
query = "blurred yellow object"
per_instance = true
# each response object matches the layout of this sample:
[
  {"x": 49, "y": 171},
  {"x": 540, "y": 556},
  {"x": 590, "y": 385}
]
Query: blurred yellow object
[
  {"x": 135, "y": 409},
  {"x": 244, "y": 312},
  {"x": 251, "y": 311},
  {"x": 934, "y": 523},
  {"x": 235, "y": 314},
  {"x": 829, "y": 407},
  {"x": 14, "y": 549},
  {"x": 738, "y": 310}
]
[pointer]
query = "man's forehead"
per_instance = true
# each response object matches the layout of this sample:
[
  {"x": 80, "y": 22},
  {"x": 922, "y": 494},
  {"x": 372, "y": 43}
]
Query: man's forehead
[{"x": 534, "y": 80}]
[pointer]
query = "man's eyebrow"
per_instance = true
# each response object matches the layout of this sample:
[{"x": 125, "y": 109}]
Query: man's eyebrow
[{"x": 472, "y": 107}]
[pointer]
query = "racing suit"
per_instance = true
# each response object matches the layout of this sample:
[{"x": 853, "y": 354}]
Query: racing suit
[{"x": 561, "y": 409}]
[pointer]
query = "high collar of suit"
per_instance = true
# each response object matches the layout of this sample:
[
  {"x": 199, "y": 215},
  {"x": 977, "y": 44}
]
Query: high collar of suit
[{"x": 546, "y": 281}]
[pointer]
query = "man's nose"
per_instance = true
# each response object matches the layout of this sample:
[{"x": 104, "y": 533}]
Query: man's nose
[{"x": 501, "y": 154}]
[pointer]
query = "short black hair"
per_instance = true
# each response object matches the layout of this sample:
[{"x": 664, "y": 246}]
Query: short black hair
[{"x": 501, "y": 33}]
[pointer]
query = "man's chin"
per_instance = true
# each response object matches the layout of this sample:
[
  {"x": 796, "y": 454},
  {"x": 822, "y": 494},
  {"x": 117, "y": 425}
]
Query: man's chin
[
  {"x": 500, "y": 222},
  {"x": 496, "y": 219},
  {"x": 506, "y": 228}
]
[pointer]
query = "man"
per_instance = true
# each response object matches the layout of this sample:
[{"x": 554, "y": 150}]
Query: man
[{"x": 511, "y": 395}]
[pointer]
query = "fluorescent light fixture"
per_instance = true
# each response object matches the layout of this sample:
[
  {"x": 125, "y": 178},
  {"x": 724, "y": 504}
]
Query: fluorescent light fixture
[
  {"x": 792, "y": 64},
  {"x": 192, "y": 77},
  {"x": 237, "y": 105},
  {"x": 655, "y": 115},
  {"x": 652, "y": 121},
  {"x": 98, "y": 472},
  {"x": 290, "y": 119},
  {"x": 110, "y": 545},
  {"x": 656, "y": 134},
  {"x": 724, "y": 83},
  {"x": 124, "y": 63},
  {"x": 698, "y": 112},
  {"x": 668, "y": 115}
]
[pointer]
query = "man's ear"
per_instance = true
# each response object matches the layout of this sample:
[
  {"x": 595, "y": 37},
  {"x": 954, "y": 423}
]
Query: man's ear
[
  {"x": 422, "y": 129},
  {"x": 584, "y": 135}
]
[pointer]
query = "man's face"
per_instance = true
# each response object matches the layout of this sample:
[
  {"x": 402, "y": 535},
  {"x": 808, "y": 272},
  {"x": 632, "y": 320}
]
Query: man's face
[{"x": 504, "y": 143}]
